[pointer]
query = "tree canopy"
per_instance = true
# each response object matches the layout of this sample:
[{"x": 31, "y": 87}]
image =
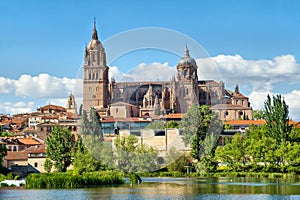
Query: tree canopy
[
  {"x": 198, "y": 123},
  {"x": 277, "y": 118},
  {"x": 60, "y": 146},
  {"x": 134, "y": 157}
]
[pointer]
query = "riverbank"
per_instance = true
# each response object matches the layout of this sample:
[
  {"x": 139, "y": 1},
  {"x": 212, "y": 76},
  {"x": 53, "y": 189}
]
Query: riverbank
[
  {"x": 223, "y": 174},
  {"x": 71, "y": 180}
]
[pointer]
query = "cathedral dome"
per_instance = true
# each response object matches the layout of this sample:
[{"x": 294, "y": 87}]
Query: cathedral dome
[
  {"x": 94, "y": 45},
  {"x": 187, "y": 59}
]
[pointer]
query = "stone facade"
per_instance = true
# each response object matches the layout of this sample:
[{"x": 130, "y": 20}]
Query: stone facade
[{"x": 156, "y": 98}]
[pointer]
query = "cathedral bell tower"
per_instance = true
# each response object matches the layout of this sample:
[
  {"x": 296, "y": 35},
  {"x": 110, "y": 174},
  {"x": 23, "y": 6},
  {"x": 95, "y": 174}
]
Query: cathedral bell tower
[{"x": 95, "y": 83}]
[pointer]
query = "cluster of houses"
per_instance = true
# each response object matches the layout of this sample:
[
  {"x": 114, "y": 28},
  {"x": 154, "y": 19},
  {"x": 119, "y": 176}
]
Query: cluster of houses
[{"x": 24, "y": 135}]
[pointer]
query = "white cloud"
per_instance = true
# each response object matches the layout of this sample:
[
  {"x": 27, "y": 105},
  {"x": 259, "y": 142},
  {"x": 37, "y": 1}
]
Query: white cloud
[
  {"x": 18, "y": 107},
  {"x": 292, "y": 99},
  {"x": 41, "y": 86},
  {"x": 261, "y": 75},
  {"x": 257, "y": 100},
  {"x": 145, "y": 72},
  {"x": 6, "y": 85}
]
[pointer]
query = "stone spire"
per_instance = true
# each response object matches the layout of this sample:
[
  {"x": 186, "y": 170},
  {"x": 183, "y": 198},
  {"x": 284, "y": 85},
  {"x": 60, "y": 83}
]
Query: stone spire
[{"x": 95, "y": 34}]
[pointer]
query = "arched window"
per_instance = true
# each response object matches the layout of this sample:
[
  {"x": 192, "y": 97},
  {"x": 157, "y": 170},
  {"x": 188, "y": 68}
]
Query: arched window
[
  {"x": 96, "y": 76},
  {"x": 93, "y": 76},
  {"x": 90, "y": 77}
]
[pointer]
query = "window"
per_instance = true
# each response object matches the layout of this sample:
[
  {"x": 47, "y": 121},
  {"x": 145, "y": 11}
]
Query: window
[
  {"x": 96, "y": 76},
  {"x": 90, "y": 77},
  {"x": 15, "y": 148},
  {"x": 35, "y": 164},
  {"x": 117, "y": 110}
]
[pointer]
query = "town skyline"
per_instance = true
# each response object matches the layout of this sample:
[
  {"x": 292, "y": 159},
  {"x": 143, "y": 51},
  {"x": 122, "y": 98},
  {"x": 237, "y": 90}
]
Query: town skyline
[{"x": 260, "y": 56}]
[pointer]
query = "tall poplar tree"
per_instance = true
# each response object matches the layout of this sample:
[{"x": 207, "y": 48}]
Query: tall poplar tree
[{"x": 277, "y": 118}]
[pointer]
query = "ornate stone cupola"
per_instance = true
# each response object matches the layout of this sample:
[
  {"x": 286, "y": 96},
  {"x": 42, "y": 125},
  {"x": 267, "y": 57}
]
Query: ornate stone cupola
[{"x": 187, "y": 67}]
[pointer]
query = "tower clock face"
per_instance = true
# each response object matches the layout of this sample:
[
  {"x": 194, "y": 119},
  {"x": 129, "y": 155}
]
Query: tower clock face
[{"x": 94, "y": 96}]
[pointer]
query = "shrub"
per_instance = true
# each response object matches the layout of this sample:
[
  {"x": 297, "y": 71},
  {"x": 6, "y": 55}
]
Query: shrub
[{"x": 71, "y": 180}]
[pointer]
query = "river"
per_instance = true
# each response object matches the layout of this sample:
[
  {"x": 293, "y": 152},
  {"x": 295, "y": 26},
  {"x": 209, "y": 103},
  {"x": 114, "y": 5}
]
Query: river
[{"x": 172, "y": 188}]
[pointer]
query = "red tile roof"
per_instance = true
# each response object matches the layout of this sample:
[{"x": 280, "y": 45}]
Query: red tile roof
[
  {"x": 254, "y": 122},
  {"x": 50, "y": 117},
  {"x": 245, "y": 122},
  {"x": 16, "y": 155},
  {"x": 36, "y": 149},
  {"x": 52, "y": 107},
  {"x": 28, "y": 141},
  {"x": 174, "y": 116}
]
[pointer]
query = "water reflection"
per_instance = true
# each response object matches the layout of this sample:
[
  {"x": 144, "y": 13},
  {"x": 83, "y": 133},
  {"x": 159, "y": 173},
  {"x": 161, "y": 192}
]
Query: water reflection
[{"x": 173, "y": 188}]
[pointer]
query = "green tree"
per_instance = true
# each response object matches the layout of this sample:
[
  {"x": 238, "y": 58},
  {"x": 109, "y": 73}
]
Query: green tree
[
  {"x": 95, "y": 124},
  {"x": 277, "y": 118},
  {"x": 228, "y": 127},
  {"x": 258, "y": 114},
  {"x": 60, "y": 146},
  {"x": 172, "y": 124},
  {"x": 97, "y": 151},
  {"x": 95, "y": 156},
  {"x": 291, "y": 157},
  {"x": 133, "y": 157},
  {"x": 156, "y": 125},
  {"x": 177, "y": 161},
  {"x": 48, "y": 165},
  {"x": 234, "y": 152},
  {"x": 294, "y": 135},
  {"x": 197, "y": 124}
]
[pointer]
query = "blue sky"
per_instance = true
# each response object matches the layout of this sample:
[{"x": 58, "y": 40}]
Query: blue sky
[{"x": 49, "y": 37}]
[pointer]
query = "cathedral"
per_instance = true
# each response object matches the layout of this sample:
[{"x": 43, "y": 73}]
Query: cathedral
[{"x": 157, "y": 98}]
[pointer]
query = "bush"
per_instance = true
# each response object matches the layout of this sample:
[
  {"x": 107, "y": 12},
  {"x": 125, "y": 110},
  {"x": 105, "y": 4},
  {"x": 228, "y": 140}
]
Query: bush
[
  {"x": 135, "y": 179},
  {"x": 2, "y": 177},
  {"x": 72, "y": 180},
  {"x": 4, "y": 185}
]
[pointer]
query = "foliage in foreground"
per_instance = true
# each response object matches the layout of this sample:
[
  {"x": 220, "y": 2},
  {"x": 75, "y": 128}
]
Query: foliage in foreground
[{"x": 69, "y": 180}]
